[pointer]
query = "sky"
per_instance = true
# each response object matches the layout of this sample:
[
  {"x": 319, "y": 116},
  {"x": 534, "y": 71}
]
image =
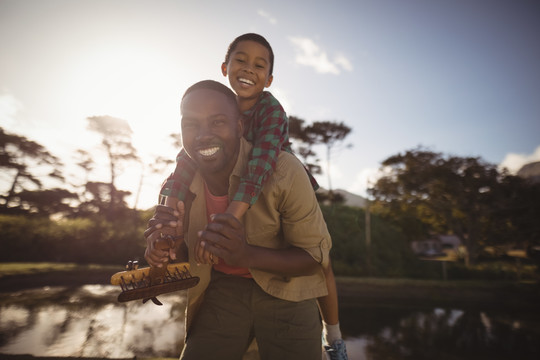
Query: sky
[{"x": 456, "y": 77}]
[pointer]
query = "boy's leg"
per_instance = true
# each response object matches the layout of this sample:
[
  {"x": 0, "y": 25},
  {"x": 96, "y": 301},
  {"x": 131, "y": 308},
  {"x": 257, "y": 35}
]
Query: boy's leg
[
  {"x": 222, "y": 327},
  {"x": 285, "y": 329}
]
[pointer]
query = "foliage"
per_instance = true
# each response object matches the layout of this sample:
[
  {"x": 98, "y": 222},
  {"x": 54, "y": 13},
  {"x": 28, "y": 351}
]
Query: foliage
[
  {"x": 327, "y": 133},
  {"x": 80, "y": 240},
  {"x": 28, "y": 162},
  {"x": 116, "y": 142},
  {"x": 388, "y": 255},
  {"x": 425, "y": 193}
]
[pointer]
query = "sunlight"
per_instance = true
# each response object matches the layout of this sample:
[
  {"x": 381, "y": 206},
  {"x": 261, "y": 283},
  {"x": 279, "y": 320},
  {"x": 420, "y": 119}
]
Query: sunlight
[{"x": 140, "y": 86}]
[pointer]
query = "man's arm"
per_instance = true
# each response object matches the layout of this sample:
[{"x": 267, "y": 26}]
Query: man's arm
[{"x": 224, "y": 237}]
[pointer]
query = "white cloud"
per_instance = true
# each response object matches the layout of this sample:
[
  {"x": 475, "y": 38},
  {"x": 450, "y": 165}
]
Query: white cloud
[
  {"x": 345, "y": 63},
  {"x": 364, "y": 179},
  {"x": 9, "y": 107},
  {"x": 308, "y": 53},
  {"x": 284, "y": 99},
  {"x": 272, "y": 20},
  {"x": 514, "y": 162}
]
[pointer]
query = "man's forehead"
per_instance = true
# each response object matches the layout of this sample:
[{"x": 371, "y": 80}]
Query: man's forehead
[{"x": 208, "y": 101}]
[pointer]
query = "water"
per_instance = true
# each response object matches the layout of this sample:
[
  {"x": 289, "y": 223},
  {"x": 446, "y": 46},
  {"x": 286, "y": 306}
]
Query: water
[{"x": 88, "y": 322}]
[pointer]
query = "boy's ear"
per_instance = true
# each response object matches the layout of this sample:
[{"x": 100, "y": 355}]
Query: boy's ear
[
  {"x": 269, "y": 81},
  {"x": 224, "y": 69}
]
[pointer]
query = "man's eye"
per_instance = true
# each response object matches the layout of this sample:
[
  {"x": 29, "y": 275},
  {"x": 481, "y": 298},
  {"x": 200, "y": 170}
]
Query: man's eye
[{"x": 259, "y": 66}]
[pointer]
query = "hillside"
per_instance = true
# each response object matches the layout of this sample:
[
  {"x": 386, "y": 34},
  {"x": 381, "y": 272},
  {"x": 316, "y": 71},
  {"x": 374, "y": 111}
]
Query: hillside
[{"x": 350, "y": 198}]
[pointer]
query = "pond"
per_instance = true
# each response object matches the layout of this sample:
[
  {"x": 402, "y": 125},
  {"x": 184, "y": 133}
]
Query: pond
[{"x": 88, "y": 322}]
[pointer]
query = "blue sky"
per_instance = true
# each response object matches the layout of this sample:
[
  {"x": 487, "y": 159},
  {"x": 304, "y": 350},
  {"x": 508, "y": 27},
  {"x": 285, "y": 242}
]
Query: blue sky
[{"x": 458, "y": 77}]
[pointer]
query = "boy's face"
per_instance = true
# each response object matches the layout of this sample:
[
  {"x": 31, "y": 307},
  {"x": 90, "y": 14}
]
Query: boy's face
[
  {"x": 248, "y": 69},
  {"x": 211, "y": 131}
]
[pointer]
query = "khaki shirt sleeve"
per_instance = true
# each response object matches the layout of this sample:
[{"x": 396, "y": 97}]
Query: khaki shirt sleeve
[{"x": 303, "y": 224}]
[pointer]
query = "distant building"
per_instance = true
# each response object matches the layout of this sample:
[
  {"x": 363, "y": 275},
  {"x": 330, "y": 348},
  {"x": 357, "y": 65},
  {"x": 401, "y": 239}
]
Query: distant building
[{"x": 439, "y": 245}]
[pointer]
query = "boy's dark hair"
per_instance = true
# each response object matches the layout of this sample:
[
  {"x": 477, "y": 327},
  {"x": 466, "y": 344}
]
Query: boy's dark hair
[
  {"x": 251, "y": 37},
  {"x": 212, "y": 85}
]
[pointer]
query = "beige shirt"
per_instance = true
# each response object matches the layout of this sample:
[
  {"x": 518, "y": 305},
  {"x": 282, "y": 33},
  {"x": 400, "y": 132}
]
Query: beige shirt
[{"x": 286, "y": 214}]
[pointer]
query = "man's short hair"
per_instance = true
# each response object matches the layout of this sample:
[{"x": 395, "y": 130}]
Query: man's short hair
[{"x": 211, "y": 85}]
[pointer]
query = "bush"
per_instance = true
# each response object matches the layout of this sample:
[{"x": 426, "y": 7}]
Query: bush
[
  {"x": 389, "y": 253},
  {"x": 80, "y": 240}
]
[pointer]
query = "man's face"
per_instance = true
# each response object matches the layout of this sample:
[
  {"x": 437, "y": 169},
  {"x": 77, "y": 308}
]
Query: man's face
[{"x": 211, "y": 131}]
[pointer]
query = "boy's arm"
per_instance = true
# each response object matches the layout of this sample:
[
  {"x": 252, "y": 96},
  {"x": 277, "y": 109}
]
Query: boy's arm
[
  {"x": 269, "y": 133},
  {"x": 177, "y": 184}
]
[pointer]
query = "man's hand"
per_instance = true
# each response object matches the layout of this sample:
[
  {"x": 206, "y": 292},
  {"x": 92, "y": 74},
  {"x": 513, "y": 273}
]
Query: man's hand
[
  {"x": 224, "y": 238},
  {"x": 163, "y": 228}
]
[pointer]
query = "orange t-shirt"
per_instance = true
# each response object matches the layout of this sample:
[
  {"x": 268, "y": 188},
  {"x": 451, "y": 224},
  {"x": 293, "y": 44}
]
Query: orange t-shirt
[{"x": 217, "y": 205}]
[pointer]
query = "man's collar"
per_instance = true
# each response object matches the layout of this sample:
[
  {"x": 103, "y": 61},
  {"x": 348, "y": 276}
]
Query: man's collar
[{"x": 243, "y": 158}]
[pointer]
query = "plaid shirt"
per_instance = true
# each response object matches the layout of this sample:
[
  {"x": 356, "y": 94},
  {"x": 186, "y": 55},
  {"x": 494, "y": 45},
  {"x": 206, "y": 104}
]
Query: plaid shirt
[{"x": 266, "y": 126}]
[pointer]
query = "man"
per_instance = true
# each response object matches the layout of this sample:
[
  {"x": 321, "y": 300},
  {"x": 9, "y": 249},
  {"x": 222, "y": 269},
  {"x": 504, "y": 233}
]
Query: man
[{"x": 266, "y": 272}]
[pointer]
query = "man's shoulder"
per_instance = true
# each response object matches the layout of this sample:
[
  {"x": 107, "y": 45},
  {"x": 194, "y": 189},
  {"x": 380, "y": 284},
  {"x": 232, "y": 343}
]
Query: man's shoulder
[{"x": 288, "y": 165}]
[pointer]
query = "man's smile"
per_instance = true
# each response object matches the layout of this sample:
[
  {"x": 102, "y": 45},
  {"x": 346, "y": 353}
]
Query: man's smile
[{"x": 208, "y": 151}]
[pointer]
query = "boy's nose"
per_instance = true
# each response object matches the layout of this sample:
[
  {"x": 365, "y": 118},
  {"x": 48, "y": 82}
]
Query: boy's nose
[{"x": 248, "y": 68}]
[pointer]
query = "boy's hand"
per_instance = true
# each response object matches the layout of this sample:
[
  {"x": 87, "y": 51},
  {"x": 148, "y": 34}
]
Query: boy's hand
[{"x": 166, "y": 221}]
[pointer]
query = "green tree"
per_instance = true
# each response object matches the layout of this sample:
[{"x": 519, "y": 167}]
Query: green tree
[
  {"x": 304, "y": 145},
  {"x": 330, "y": 134},
  {"x": 28, "y": 163},
  {"x": 116, "y": 142},
  {"x": 428, "y": 193}
]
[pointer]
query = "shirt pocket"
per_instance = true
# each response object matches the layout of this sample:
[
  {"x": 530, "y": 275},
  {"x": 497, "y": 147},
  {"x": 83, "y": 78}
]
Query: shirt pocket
[{"x": 266, "y": 236}]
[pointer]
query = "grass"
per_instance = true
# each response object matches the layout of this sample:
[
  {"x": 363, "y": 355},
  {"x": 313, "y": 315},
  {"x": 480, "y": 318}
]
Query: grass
[{"x": 7, "y": 269}]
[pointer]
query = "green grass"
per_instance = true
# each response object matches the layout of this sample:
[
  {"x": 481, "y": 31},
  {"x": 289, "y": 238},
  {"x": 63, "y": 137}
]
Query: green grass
[{"x": 7, "y": 269}]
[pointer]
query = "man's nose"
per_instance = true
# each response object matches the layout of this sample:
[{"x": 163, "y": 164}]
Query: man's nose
[{"x": 204, "y": 132}]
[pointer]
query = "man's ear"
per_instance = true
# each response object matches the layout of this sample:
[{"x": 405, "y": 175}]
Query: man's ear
[
  {"x": 224, "y": 69},
  {"x": 269, "y": 81}
]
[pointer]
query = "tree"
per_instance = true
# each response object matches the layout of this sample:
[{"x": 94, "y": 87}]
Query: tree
[
  {"x": 116, "y": 141},
  {"x": 329, "y": 134},
  {"x": 28, "y": 162},
  {"x": 428, "y": 193},
  {"x": 47, "y": 202},
  {"x": 304, "y": 146}
]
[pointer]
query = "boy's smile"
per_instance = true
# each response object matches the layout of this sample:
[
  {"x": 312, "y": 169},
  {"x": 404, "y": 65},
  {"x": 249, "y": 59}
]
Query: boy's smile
[{"x": 245, "y": 82}]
